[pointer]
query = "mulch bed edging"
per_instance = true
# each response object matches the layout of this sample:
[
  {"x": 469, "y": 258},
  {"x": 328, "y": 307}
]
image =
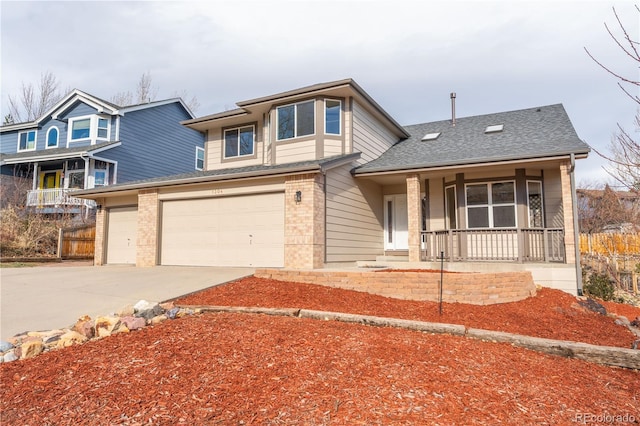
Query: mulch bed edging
[{"x": 605, "y": 355}]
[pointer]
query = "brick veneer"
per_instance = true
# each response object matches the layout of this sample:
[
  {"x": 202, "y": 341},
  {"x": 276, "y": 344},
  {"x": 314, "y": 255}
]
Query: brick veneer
[
  {"x": 414, "y": 212},
  {"x": 474, "y": 288},
  {"x": 304, "y": 222},
  {"x": 147, "y": 236},
  {"x": 98, "y": 254}
]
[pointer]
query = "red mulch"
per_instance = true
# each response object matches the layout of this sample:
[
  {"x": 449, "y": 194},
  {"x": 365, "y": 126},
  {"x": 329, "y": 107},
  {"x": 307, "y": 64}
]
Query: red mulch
[
  {"x": 549, "y": 314},
  {"x": 227, "y": 368}
]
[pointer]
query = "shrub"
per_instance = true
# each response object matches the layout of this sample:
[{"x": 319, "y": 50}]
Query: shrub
[{"x": 600, "y": 286}]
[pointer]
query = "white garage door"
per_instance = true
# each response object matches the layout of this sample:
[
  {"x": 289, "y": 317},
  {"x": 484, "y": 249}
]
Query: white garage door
[
  {"x": 122, "y": 224},
  {"x": 228, "y": 231}
]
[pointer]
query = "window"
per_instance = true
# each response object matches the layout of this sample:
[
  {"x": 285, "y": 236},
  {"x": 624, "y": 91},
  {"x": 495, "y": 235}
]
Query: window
[
  {"x": 27, "y": 141},
  {"x": 534, "y": 201},
  {"x": 296, "y": 120},
  {"x": 52, "y": 137},
  {"x": 238, "y": 142},
  {"x": 100, "y": 178},
  {"x": 332, "y": 111},
  {"x": 81, "y": 129},
  {"x": 491, "y": 205},
  {"x": 103, "y": 128},
  {"x": 90, "y": 128},
  {"x": 76, "y": 179},
  {"x": 199, "y": 158}
]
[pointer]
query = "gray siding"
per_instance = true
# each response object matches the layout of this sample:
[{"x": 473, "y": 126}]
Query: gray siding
[
  {"x": 354, "y": 218},
  {"x": 154, "y": 144},
  {"x": 370, "y": 137}
]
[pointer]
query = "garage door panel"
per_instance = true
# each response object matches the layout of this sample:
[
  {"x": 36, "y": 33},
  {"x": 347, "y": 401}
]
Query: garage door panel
[
  {"x": 229, "y": 231},
  {"x": 122, "y": 225}
]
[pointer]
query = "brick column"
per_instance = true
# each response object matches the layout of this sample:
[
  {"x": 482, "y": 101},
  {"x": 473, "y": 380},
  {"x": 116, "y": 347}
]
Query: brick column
[
  {"x": 304, "y": 225},
  {"x": 147, "y": 236},
  {"x": 101, "y": 236},
  {"x": 414, "y": 210},
  {"x": 567, "y": 213}
]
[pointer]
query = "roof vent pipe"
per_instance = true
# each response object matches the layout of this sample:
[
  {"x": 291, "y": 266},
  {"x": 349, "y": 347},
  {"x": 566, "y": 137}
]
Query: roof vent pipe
[{"x": 453, "y": 108}]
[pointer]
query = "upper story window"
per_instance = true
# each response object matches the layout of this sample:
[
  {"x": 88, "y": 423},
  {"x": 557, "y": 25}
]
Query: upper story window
[
  {"x": 296, "y": 120},
  {"x": 27, "y": 140},
  {"x": 491, "y": 205},
  {"x": 238, "y": 142},
  {"x": 91, "y": 127},
  {"x": 332, "y": 109},
  {"x": 52, "y": 137},
  {"x": 199, "y": 158}
]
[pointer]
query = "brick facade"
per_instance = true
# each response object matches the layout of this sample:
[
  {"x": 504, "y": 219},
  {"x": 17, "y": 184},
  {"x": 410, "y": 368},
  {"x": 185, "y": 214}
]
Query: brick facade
[
  {"x": 414, "y": 210},
  {"x": 147, "y": 236},
  {"x": 304, "y": 227},
  {"x": 473, "y": 288},
  {"x": 99, "y": 257}
]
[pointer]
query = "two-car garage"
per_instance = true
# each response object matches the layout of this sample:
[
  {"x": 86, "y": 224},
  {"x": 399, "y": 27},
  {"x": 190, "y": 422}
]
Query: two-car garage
[{"x": 242, "y": 230}]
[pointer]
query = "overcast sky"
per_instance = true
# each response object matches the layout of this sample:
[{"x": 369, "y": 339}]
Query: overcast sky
[{"x": 408, "y": 55}]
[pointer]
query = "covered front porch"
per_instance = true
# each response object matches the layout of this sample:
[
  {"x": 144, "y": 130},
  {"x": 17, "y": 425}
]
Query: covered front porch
[{"x": 505, "y": 217}]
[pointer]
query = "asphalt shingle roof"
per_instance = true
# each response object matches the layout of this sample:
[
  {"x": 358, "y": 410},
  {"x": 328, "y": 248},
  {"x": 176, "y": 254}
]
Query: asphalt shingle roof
[
  {"x": 26, "y": 155},
  {"x": 528, "y": 133}
]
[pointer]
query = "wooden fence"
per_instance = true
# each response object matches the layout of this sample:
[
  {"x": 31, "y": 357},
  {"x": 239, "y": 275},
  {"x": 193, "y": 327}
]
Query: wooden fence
[
  {"x": 617, "y": 255},
  {"x": 77, "y": 243},
  {"x": 610, "y": 244}
]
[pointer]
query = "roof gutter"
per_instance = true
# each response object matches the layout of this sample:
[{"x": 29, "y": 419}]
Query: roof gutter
[
  {"x": 498, "y": 162},
  {"x": 97, "y": 192}
]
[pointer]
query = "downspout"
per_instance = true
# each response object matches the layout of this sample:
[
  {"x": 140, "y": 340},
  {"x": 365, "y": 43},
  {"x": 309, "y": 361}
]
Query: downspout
[{"x": 576, "y": 229}]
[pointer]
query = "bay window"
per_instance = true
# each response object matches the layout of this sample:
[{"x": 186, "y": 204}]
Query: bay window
[{"x": 295, "y": 120}]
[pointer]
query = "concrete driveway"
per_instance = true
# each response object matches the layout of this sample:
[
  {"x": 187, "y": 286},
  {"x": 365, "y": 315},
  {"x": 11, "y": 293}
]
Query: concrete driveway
[{"x": 47, "y": 297}]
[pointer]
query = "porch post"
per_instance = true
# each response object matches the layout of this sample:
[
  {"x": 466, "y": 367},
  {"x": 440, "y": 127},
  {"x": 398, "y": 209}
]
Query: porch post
[
  {"x": 567, "y": 213},
  {"x": 101, "y": 229},
  {"x": 35, "y": 176},
  {"x": 414, "y": 207}
]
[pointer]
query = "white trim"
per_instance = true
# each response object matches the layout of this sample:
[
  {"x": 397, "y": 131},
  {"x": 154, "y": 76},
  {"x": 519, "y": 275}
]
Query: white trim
[
  {"x": 339, "y": 116},
  {"x": 46, "y": 139},
  {"x": 63, "y": 156},
  {"x": 35, "y": 141},
  {"x": 93, "y": 129},
  {"x": 200, "y": 149},
  {"x": 224, "y": 142},
  {"x": 295, "y": 124},
  {"x": 117, "y": 135},
  {"x": 74, "y": 96},
  {"x": 156, "y": 104},
  {"x": 490, "y": 204}
]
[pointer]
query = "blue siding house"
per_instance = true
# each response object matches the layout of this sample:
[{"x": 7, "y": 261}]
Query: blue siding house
[{"x": 85, "y": 142}]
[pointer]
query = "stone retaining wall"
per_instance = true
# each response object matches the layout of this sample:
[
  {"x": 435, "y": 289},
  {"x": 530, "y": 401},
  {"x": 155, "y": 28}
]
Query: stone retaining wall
[{"x": 474, "y": 288}]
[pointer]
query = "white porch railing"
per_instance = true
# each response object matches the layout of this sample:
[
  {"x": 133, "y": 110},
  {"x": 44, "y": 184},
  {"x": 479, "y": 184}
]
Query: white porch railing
[
  {"x": 56, "y": 197},
  {"x": 516, "y": 245}
]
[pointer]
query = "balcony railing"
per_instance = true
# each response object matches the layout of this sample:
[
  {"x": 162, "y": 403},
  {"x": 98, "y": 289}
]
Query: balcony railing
[
  {"x": 516, "y": 245},
  {"x": 56, "y": 197}
]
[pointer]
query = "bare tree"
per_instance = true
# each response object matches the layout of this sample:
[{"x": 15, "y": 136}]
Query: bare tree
[
  {"x": 146, "y": 92},
  {"x": 624, "y": 155},
  {"x": 33, "y": 101}
]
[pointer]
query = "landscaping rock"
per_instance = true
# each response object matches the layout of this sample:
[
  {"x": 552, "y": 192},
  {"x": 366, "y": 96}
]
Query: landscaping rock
[
  {"x": 172, "y": 313},
  {"x": 593, "y": 306},
  {"x": 133, "y": 323},
  {"x": 53, "y": 339},
  {"x": 5, "y": 346},
  {"x": 70, "y": 338},
  {"x": 105, "y": 326},
  {"x": 636, "y": 322},
  {"x": 143, "y": 305},
  {"x": 158, "y": 319},
  {"x": 31, "y": 348},
  {"x": 167, "y": 306},
  {"x": 126, "y": 311},
  {"x": 9, "y": 356},
  {"x": 623, "y": 321},
  {"x": 85, "y": 326}
]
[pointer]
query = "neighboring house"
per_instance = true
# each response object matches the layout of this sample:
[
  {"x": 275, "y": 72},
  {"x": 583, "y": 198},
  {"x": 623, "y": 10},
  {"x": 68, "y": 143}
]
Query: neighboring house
[
  {"x": 85, "y": 142},
  {"x": 322, "y": 176}
]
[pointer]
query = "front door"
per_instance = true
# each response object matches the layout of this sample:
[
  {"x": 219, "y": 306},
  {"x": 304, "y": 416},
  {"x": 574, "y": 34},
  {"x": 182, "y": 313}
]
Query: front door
[
  {"x": 50, "y": 180},
  {"x": 396, "y": 221}
]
